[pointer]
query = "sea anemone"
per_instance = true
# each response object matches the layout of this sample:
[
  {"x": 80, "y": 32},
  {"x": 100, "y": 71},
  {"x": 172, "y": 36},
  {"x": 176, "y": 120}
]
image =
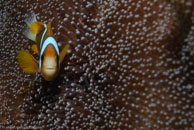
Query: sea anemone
[{"x": 130, "y": 66}]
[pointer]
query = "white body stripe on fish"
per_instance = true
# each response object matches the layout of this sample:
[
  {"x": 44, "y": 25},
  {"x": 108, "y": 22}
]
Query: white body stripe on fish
[
  {"x": 45, "y": 30},
  {"x": 49, "y": 40}
]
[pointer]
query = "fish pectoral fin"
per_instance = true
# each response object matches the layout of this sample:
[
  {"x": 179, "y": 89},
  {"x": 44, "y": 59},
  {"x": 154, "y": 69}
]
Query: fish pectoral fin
[
  {"x": 37, "y": 27},
  {"x": 64, "y": 52},
  {"x": 35, "y": 49},
  {"x": 27, "y": 62}
]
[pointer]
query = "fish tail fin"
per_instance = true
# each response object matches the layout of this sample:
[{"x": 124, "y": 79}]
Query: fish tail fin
[
  {"x": 33, "y": 27},
  {"x": 37, "y": 27},
  {"x": 64, "y": 52},
  {"x": 27, "y": 33},
  {"x": 27, "y": 62},
  {"x": 29, "y": 20}
]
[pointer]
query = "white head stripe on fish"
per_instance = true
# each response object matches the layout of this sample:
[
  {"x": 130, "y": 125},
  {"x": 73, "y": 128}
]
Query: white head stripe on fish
[
  {"x": 49, "y": 40},
  {"x": 45, "y": 30}
]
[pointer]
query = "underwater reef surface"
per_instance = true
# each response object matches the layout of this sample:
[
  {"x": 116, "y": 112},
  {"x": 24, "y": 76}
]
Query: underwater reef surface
[{"x": 131, "y": 65}]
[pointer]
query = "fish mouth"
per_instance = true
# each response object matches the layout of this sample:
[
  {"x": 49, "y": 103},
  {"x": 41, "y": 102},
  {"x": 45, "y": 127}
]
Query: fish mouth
[
  {"x": 49, "y": 73},
  {"x": 50, "y": 68}
]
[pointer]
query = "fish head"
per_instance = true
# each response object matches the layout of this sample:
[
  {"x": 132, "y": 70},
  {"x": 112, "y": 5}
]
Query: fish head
[{"x": 50, "y": 63}]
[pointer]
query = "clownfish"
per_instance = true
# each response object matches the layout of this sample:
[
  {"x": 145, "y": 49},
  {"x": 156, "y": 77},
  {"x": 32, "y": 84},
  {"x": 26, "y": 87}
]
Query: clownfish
[{"x": 46, "y": 48}]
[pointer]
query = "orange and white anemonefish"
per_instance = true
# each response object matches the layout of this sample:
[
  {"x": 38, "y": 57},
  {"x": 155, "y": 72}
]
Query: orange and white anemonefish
[{"x": 46, "y": 48}]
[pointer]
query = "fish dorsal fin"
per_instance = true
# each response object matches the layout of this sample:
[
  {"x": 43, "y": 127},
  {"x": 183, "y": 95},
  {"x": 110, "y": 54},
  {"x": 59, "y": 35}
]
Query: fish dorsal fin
[
  {"x": 37, "y": 27},
  {"x": 49, "y": 25},
  {"x": 49, "y": 30},
  {"x": 63, "y": 53},
  {"x": 27, "y": 62}
]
